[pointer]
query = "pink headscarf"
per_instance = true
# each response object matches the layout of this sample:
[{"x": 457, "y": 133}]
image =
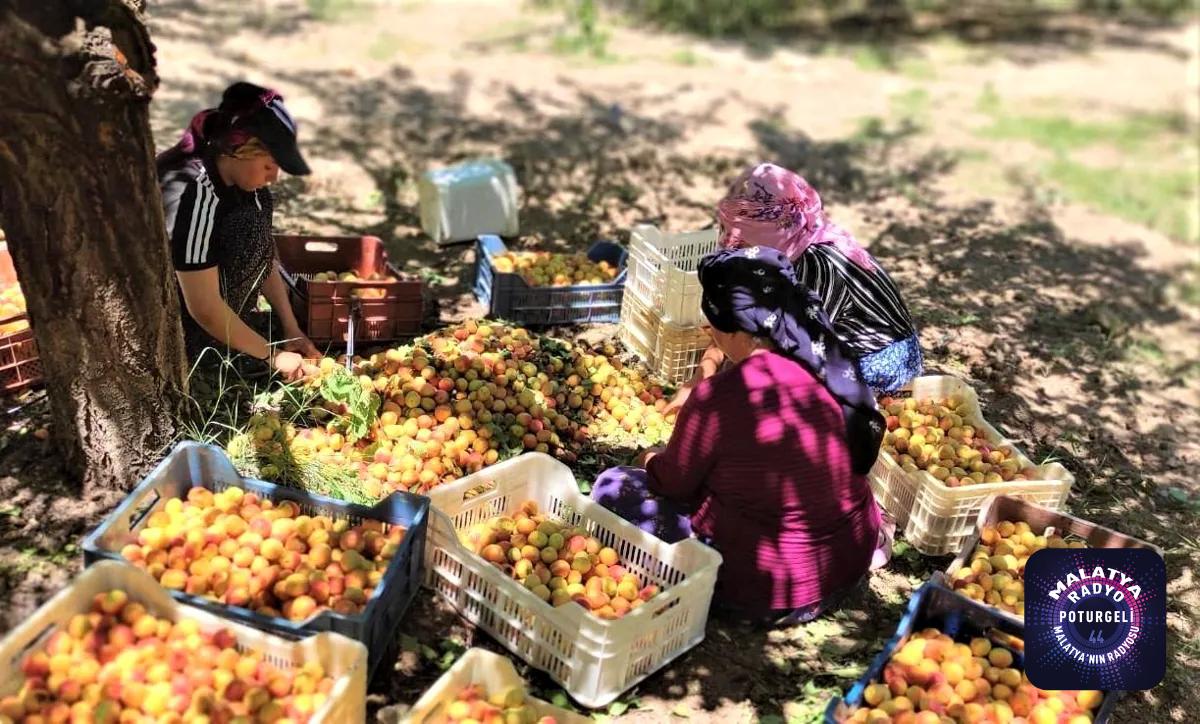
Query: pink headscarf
[{"x": 771, "y": 206}]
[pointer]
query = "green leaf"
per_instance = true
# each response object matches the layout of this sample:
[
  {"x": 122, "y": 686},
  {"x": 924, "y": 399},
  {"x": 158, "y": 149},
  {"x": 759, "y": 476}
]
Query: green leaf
[
  {"x": 682, "y": 710},
  {"x": 617, "y": 708}
]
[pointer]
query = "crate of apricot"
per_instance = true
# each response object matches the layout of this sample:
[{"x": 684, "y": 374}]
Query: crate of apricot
[
  {"x": 332, "y": 278},
  {"x": 113, "y": 646},
  {"x": 484, "y": 687},
  {"x": 940, "y": 460},
  {"x": 952, "y": 660},
  {"x": 991, "y": 566},
  {"x": 271, "y": 557},
  {"x": 541, "y": 288},
  {"x": 565, "y": 584}
]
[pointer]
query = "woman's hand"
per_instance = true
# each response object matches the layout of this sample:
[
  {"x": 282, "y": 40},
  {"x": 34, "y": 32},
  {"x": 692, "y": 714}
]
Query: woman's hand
[
  {"x": 681, "y": 395},
  {"x": 302, "y": 345},
  {"x": 288, "y": 364},
  {"x": 644, "y": 457}
]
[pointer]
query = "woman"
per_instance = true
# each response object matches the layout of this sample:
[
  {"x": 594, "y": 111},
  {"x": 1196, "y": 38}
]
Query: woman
[
  {"x": 215, "y": 186},
  {"x": 770, "y": 206},
  {"x": 768, "y": 459}
]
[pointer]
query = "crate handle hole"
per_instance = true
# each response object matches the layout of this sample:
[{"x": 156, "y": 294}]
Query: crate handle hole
[
  {"x": 136, "y": 517},
  {"x": 479, "y": 490},
  {"x": 323, "y": 247},
  {"x": 35, "y": 642}
]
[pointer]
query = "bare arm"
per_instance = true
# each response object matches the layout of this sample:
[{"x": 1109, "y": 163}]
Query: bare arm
[
  {"x": 710, "y": 362},
  {"x": 202, "y": 295}
]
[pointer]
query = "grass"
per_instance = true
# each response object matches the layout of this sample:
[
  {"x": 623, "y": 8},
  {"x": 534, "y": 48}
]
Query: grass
[
  {"x": 912, "y": 105},
  {"x": 1155, "y": 182},
  {"x": 886, "y": 59},
  {"x": 689, "y": 57},
  {"x": 335, "y": 10},
  {"x": 1061, "y": 133},
  {"x": 1163, "y": 200}
]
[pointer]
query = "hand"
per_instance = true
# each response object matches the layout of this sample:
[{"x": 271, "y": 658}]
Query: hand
[
  {"x": 288, "y": 364},
  {"x": 298, "y": 342},
  {"x": 645, "y": 455},
  {"x": 681, "y": 395}
]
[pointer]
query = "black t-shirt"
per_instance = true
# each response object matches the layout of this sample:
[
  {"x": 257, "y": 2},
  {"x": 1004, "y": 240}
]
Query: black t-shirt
[{"x": 214, "y": 225}]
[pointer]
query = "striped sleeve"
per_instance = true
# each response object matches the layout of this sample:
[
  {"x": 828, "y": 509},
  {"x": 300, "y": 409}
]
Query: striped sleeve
[
  {"x": 191, "y": 211},
  {"x": 864, "y": 305}
]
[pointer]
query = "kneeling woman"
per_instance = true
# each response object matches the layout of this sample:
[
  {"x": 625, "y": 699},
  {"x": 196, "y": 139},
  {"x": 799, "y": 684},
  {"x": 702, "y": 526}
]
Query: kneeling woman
[{"x": 768, "y": 459}]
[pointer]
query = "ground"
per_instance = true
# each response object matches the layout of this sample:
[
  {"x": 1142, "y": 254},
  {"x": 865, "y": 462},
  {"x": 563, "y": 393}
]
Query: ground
[{"x": 1033, "y": 194}]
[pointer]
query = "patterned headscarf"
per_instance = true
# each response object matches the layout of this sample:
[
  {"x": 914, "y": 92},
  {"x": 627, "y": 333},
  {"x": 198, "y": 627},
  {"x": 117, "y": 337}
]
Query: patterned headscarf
[
  {"x": 219, "y": 127},
  {"x": 755, "y": 290},
  {"x": 771, "y": 206}
]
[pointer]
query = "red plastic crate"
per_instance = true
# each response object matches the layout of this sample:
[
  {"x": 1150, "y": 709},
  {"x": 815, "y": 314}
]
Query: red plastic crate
[
  {"x": 19, "y": 363},
  {"x": 324, "y": 308}
]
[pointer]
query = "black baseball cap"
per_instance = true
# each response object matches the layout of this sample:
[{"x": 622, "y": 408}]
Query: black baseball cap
[{"x": 267, "y": 119}]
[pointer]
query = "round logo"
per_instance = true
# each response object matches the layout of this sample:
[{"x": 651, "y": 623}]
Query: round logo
[{"x": 1094, "y": 618}]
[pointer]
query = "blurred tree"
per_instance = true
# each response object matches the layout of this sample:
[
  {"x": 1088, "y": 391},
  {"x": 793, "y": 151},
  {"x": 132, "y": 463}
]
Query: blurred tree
[{"x": 83, "y": 215}]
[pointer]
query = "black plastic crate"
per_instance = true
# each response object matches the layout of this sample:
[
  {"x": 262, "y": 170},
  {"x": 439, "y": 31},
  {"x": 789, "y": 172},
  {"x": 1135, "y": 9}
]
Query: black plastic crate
[
  {"x": 193, "y": 464},
  {"x": 508, "y": 296}
]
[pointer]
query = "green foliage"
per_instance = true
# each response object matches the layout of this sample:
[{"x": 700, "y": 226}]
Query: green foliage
[
  {"x": 585, "y": 35},
  {"x": 359, "y": 407}
]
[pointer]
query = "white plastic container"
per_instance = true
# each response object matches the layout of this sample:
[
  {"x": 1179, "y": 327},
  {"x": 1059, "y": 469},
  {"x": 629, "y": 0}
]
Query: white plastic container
[
  {"x": 662, "y": 272},
  {"x": 594, "y": 660},
  {"x": 343, "y": 659},
  {"x": 490, "y": 671},
  {"x": 937, "y": 519},
  {"x": 461, "y": 202}
]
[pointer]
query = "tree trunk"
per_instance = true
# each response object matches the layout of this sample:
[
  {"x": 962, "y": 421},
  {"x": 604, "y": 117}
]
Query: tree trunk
[{"x": 80, "y": 204}]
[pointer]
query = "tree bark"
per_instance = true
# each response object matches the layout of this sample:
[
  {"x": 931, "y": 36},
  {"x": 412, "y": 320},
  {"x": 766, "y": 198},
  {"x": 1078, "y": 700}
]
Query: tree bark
[{"x": 80, "y": 204}]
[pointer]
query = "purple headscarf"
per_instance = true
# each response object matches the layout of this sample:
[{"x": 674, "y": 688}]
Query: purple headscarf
[{"x": 755, "y": 290}]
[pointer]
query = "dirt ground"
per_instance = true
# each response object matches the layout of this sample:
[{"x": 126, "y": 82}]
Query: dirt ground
[{"x": 1077, "y": 323}]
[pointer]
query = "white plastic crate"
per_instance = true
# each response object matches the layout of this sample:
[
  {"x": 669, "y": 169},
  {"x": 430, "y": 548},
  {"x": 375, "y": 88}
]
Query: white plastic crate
[
  {"x": 662, "y": 272},
  {"x": 343, "y": 659},
  {"x": 671, "y": 351},
  {"x": 594, "y": 660},
  {"x": 461, "y": 202},
  {"x": 490, "y": 671},
  {"x": 937, "y": 519}
]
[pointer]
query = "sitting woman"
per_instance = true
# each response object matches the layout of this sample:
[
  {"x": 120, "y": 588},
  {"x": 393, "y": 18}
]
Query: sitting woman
[
  {"x": 768, "y": 459},
  {"x": 770, "y": 206}
]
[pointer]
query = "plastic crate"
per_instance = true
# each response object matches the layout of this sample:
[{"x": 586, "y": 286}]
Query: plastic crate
[
  {"x": 1003, "y": 507},
  {"x": 460, "y": 202},
  {"x": 934, "y": 605},
  {"x": 671, "y": 351},
  {"x": 594, "y": 660},
  {"x": 20, "y": 366},
  {"x": 508, "y": 296},
  {"x": 191, "y": 464},
  {"x": 937, "y": 519},
  {"x": 490, "y": 671},
  {"x": 324, "y": 308},
  {"x": 343, "y": 660},
  {"x": 662, "y": 272}
]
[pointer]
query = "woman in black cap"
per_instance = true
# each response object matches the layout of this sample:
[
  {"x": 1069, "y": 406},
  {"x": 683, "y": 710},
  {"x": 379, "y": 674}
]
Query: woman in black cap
[{"x": 219, "y": 216}]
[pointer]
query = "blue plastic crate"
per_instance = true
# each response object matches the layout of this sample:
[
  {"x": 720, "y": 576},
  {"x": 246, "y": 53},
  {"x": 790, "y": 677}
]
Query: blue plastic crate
[
  {"x": 508, "y": 296},
  {"x": 193, "y": 464},
  {"x": 935, "y": 605}
]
